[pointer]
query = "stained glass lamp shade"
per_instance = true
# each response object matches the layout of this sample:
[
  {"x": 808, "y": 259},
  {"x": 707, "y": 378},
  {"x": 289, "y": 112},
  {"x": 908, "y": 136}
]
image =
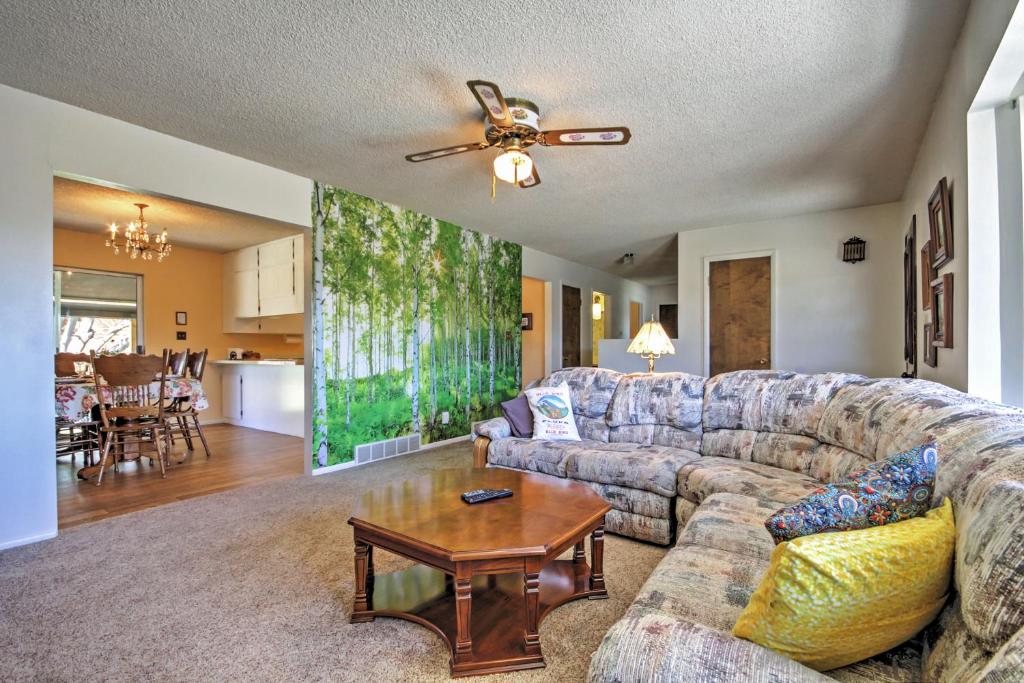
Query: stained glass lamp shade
[{"x": 651, "y": 342}]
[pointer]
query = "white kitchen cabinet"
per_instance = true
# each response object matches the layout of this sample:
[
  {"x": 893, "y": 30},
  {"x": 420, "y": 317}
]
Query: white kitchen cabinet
[
  {"x": 267, "y": 396},
  {"x": 264, "y": 289},
  {"x": 231, "y": 397}
]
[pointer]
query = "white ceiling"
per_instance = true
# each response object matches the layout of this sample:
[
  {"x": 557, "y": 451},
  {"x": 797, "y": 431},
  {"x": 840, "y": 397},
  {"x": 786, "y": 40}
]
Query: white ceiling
[
  {"x": 92, "y": 208},
  {"x": 739, "y": 110}
]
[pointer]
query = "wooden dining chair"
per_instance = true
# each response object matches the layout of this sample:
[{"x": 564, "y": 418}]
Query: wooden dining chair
[
  {"x": 177, "y": 362},
  {"x": 130, "y": 412},
  {"x": 74, "y": 437},
  {"x": 181, "y": 410}
]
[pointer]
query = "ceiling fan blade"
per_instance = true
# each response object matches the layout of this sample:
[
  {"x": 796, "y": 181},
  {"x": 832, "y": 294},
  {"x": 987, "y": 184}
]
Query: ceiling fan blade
[
  {"x": 489, "y": 97},
  {"x": 533, "y": 180},
  {"x": 446, "y": 152},
  {"x": 617, "y": 135}
]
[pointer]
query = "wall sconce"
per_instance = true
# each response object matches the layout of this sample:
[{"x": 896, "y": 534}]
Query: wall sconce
[{"x": 854, "y": 250}]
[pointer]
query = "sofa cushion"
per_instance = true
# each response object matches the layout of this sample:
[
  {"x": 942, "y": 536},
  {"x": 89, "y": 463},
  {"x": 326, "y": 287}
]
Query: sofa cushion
[
  {"x": 953, "y": 653},
  {"x": 733, "y": 523},
  {"x": 531, "y": 455},
  {"x": 831, "y": 463},
  {"x": 791, "y": 452},
  {"x": 520, "y": 417},
  {"x": 829, "y": 600},
  {"x": 770, "y": 401},
  {"x": 891, "y": 490},
  {"x": 635, "y": 501},
  {"x": 699, "y": 479},
  {"x": 990, "y": 549},
  {"x": 654, "y": 408},
  {"x": 649, "y": 468},
  {"x": 650, "y": 645},
  {"x": 902, "y": 664},
  {"x": 591, "y": 389},
  {"x": 701, "y": 584},
  {"x": 651, "y": 529}
]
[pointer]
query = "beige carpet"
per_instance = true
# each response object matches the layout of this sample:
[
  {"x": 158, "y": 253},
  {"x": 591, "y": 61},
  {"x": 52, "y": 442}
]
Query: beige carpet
[{"x": 251, "y": 584}]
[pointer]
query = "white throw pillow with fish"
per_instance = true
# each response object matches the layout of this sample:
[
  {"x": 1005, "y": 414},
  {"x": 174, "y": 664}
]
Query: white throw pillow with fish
[{"x": 552, "y": 413}]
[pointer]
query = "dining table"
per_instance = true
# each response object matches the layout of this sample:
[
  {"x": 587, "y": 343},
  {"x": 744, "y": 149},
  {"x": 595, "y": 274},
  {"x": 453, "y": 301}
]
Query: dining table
[
  {"x": 76, "y": 401},
  {"x": 76, "y": 397}
]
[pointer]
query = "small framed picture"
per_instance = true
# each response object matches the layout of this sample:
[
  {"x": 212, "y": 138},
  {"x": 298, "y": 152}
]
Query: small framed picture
[
  {"x": 527, "y": 322},
  {"x": 942, "y": 311},
  {"x": 927, "y": 275},
  {"x": 940, "y": 224},
  {"x": 930, "y": 353},
  {"x": 181, "y": 318}
]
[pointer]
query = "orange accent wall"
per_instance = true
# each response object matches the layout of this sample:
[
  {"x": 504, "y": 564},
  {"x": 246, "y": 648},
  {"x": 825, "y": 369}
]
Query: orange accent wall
[
  {"x": 191, "y": 281},
  {"x": 533, "y": 340}
]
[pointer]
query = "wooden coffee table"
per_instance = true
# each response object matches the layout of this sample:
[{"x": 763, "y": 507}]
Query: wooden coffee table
[{"x": 487, "y": 573}]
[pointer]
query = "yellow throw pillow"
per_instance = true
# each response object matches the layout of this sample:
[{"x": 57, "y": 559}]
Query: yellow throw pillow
[{"x": 832, "y": 599}]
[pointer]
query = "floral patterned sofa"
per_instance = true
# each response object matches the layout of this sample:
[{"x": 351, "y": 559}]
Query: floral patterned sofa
[{"x": 744, "y": 444}]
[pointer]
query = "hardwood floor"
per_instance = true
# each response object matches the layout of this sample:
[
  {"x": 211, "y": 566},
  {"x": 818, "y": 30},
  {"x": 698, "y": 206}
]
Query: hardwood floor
[{"x": 240, "y": 457}]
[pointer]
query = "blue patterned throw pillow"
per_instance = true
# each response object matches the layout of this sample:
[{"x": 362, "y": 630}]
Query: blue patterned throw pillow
[{"x": 891, "y": 490}]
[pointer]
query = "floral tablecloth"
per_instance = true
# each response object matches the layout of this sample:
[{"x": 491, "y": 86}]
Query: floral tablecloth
[{"x": 76, "y": 400}]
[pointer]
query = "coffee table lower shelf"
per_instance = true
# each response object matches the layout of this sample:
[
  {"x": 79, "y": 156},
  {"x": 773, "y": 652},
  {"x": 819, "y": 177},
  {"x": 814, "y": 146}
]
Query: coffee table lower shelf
[{"x": 426, "y": 596}]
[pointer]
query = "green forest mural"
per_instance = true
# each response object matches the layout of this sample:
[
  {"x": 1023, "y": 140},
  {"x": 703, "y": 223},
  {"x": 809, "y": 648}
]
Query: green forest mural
[{"x": 413, "y": 318}]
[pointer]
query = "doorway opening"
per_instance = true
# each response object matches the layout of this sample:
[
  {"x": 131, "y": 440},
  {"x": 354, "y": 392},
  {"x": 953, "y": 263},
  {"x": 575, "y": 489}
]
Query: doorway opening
[
  {"x": 600, "y": 314},
  {"x": 534, "y": 326},
  {"x": 571, "y": 326},
  {"x": 108, "y": 302}
]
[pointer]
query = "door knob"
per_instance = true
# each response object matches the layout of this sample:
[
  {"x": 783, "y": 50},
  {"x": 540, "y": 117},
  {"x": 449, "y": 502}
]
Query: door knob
[{"x": 763, "y": 361}]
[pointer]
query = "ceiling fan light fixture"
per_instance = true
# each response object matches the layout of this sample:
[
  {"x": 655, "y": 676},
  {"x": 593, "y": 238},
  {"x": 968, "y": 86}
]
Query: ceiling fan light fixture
[{"x": 513, "y": 166}]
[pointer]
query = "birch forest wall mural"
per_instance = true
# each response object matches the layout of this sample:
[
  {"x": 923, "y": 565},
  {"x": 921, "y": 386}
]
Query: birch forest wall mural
[{"x": 414, "y": 320}]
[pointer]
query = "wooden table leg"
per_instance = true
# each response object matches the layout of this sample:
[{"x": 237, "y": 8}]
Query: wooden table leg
[
  {"x": 579, "y": 554},
  {"x": 364, "y": 571},
  {"x": 531, "y": 589},
  {"x": 597, "y": 564},
  {"x": 463, "y": 610}
]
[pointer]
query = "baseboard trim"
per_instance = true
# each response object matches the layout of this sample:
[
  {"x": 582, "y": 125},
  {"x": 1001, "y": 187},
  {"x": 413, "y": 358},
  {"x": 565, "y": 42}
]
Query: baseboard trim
[
  {"x": 425, "y": 447},
  {"x": 28, "y": 540}
]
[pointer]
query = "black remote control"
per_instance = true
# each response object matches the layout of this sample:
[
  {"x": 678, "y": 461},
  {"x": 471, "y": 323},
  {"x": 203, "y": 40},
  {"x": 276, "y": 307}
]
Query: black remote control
[{"x": 480, "y": 495}]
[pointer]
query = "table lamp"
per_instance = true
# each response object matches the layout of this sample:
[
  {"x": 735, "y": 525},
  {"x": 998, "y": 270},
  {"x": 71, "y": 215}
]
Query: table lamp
[{"x": 651, "y": 342}]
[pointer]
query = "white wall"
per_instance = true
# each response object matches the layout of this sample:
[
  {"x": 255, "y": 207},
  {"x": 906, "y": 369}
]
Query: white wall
[
  {"x": 663, "y": 294},
  {"x": 943, "y": 152},
  {"x": 40, "y": 137},
  {"x": 614, "y": 356},
  {"x": 828, "y": 315},
  {"x": 559, "y": 271}
]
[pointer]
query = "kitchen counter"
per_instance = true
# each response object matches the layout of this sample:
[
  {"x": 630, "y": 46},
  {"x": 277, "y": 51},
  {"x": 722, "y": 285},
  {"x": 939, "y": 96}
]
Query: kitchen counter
[
  {"x": 263, "y": 361},
  {"x": 264, "y": 394}
]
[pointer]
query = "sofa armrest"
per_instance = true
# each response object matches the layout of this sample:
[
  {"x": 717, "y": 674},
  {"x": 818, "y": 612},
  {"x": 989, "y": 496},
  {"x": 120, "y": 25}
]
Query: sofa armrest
[
  {"x": 649, "y": 645},
  {"x": 494, "y": 429}
]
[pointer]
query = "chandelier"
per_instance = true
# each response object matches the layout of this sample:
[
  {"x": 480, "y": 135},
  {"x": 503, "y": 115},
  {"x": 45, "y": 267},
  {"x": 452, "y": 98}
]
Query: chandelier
[{"x": 136, "y": 240}]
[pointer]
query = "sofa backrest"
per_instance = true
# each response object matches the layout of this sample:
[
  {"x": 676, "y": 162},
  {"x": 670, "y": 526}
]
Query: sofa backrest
[
  {"x": 980, "y": 468},
  {"x": 663, "y": 408},
  {"x": 772, "y": 417},
  {"x": 591, "y": 391}
]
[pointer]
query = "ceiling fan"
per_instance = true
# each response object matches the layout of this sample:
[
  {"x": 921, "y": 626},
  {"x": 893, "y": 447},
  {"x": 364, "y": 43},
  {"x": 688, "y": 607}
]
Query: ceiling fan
[{"x": 512, "y": 126}]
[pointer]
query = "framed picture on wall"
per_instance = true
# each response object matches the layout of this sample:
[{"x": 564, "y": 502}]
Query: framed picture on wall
[
  {"x": 940, "y": 224},
  {"x": 942, "y": 311},
  {"x": 931, "y": 358},
  {"x": 927, "y": 275},
  {"x": 181, "y": 318},
  {"x": 527, "y": 322}
]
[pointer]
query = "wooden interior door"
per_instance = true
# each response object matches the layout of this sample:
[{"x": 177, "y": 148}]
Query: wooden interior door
[
  {"x": 668, "y": 316},
  {"x": 636, "y": 318},
  {"x": 740, "y": 314},
  {"x": 571, "y": 303}
]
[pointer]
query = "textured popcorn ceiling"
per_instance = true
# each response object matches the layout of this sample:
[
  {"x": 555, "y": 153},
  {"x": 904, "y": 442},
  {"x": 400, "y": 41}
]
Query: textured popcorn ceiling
[{"x": 739, "y": 110}]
